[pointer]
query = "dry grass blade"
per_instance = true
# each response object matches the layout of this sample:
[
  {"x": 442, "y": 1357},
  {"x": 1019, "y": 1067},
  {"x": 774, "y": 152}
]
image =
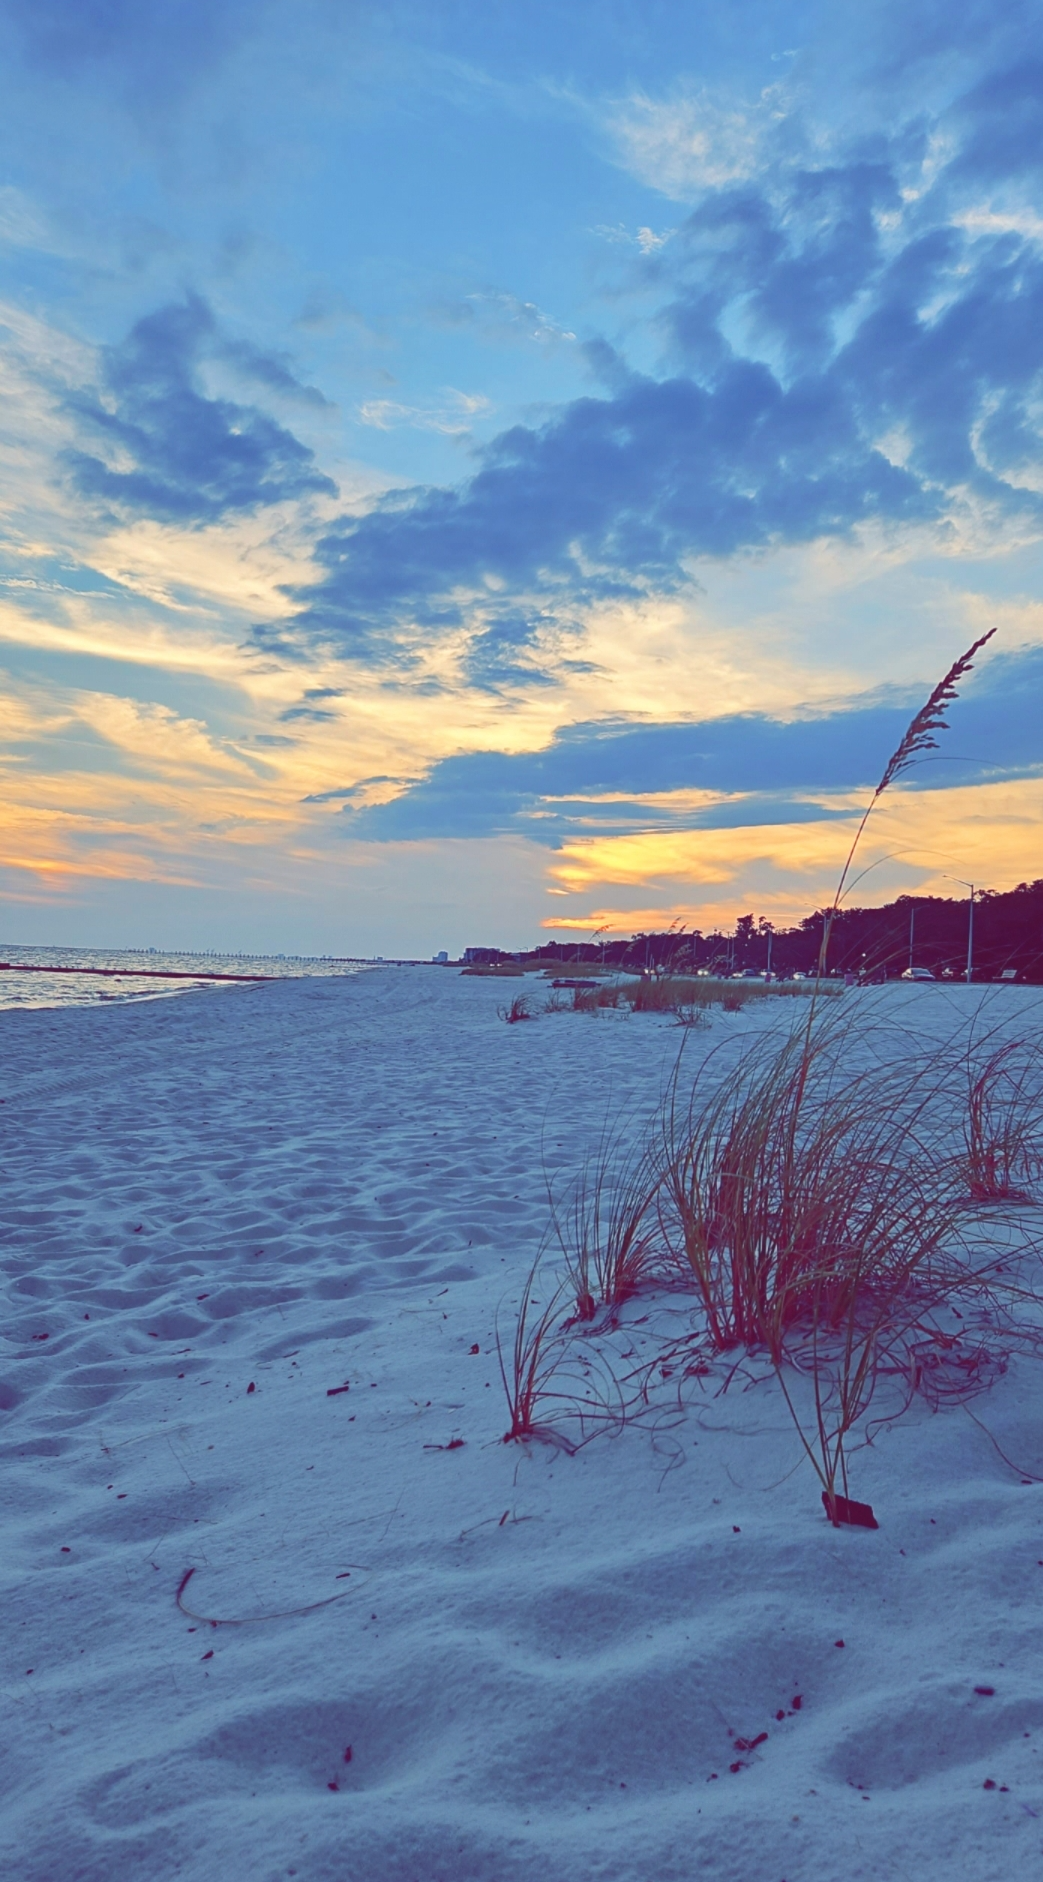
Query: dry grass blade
[{"x": 535, "y": 1355}]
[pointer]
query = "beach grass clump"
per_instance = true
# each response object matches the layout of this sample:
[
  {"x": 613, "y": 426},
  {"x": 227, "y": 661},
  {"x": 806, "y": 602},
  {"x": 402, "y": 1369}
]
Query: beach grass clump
[
  {"x": 557, "y": 1002},
  {"x": 1003, "y": 1123},
  {"x": 520, "y": 1008},
  {"x": 694, "y": 993},
  {"x": 584, "y": 999},
  {"x": 694, "y": 1016},
  {"x": 608, "y": 1232},
  {"x": 810, "y": 1196},
  {"x": 796, "y": 1189},
  {"x": 675, "y": 993},
  {"x": 824, "y": 1221},
  {"x": 544, "y": 1381}
]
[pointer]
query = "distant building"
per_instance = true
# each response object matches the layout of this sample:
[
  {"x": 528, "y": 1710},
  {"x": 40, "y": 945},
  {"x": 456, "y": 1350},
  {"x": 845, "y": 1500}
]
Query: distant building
[
  {"x": 481, "y": 957},
  {"x": 441, "y": 957}
]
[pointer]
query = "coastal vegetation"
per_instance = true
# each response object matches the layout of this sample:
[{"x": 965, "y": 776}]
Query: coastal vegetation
[{"x": 843, "y": 1204}]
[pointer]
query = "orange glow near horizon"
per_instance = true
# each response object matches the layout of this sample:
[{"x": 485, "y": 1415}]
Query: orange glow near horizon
[{"x": 916, "y": 843}]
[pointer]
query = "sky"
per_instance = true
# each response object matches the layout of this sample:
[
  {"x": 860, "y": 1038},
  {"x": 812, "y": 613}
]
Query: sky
[{"x": 483, "y": 473}]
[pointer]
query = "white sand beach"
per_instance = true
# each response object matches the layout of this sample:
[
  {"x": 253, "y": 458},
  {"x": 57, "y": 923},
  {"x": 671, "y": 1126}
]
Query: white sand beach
[{"x": 495, "y": 1662}]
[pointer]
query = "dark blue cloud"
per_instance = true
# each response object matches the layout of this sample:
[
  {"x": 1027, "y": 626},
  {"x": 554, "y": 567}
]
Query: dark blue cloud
[
  {"x": 614, "y": 492},
  {"x": 194, "y": 458},
  {"x": 827, "y": 371},
  {"x": 994, "y": 732},
  {"x": 962, "y": 384},
  {"x": 793, "y": 260},
  {"x": 1002, "y": 120},
  {"x": 159, "y": 47},
  {"x": 307, "y": 709},
  {"x": 506, "y": 652},
  {"x": 270, "y": 369}
]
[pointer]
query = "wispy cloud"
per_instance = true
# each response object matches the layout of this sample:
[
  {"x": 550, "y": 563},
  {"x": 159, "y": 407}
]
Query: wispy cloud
[
  {"x": 452, "y": 417},
  {"x": 646, "y": 240},
  {"x": 21, "y": 224},
  {"x": 498, "y": 315}
]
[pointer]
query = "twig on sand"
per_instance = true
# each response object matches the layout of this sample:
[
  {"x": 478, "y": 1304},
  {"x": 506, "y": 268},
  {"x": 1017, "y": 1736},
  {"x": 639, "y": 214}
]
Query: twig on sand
[{"x": 254, "y": 1620}]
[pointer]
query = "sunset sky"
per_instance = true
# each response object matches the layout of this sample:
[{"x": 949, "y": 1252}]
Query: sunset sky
[{"x": 472, "y": 472}]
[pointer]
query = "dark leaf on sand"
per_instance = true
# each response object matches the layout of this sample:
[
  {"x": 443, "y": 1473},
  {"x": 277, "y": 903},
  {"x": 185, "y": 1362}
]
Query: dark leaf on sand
[{"x": 842, "y": 1509}]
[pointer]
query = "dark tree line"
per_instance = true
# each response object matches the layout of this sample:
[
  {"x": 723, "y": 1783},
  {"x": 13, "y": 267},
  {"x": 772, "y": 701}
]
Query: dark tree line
[{"x": 929, "y": 931}]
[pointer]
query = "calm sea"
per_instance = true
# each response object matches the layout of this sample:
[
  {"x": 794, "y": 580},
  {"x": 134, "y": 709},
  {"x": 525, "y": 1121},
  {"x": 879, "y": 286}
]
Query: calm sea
[{"x": 131, "y": 973}]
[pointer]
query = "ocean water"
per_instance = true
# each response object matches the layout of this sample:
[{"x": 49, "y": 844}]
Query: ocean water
[{"x": 102, "y": 976}]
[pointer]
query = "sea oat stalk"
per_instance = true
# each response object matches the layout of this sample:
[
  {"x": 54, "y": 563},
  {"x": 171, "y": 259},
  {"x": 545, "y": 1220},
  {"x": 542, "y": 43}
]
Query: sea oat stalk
[{"x": 919, "y": 737}]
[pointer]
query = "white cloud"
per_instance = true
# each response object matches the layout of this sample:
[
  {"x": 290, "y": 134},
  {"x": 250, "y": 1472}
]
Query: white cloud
[
  {"x": 993, "y": 221},
  {"x": 682, "y": 146}
]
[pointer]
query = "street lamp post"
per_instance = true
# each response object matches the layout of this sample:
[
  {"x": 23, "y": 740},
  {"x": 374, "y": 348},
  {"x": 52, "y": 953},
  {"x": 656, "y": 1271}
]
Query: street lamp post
[{"x": 969, "y": 971}]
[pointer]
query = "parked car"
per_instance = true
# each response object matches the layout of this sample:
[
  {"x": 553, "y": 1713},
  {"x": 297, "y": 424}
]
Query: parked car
[{"x": 916, "y": 973}]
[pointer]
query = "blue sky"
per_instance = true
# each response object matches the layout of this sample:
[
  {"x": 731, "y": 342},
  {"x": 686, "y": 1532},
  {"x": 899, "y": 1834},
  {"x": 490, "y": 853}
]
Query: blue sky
[{"x": 481, "y": 470}]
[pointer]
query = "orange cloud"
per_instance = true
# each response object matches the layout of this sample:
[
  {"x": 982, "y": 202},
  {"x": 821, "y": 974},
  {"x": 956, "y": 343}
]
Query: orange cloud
[{"x": 916, "y": 842}]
